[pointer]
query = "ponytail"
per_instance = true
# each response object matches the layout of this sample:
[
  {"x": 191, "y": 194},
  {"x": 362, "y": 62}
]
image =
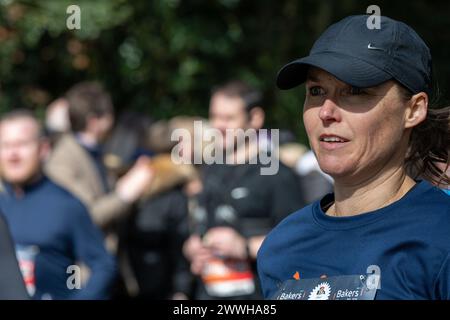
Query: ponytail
[{"x": 429, "y": 146}]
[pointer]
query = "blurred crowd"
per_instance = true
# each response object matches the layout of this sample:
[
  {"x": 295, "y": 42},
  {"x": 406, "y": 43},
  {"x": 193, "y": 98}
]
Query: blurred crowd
[{"x": 101, "y": 192}]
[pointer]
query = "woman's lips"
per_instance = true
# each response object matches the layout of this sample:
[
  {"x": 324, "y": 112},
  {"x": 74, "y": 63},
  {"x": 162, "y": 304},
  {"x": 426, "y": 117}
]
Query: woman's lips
[{"x": 332, "y": 142}]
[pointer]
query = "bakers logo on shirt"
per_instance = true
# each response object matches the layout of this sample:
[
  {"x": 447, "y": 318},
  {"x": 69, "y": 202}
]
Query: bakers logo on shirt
[{"x": 320, "y": 292}]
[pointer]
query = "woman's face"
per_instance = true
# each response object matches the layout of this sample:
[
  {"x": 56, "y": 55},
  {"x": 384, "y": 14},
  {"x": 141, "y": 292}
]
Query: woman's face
[{"x": 355, "y": 133}]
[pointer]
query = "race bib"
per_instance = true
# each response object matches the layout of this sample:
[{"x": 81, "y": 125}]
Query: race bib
[
  {"x": 26, "y": 256},
  {"x": 354, "y": 287},
  {"x": 228, "y": 278}
]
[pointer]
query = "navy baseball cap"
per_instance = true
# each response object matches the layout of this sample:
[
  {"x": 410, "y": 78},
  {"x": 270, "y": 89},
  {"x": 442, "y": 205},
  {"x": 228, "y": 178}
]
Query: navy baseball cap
[{"x": 363, "y": 57}]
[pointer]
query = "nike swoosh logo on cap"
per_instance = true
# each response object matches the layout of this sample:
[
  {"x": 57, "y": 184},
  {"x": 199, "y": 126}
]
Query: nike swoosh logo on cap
[{"x": 369, "y": 46}]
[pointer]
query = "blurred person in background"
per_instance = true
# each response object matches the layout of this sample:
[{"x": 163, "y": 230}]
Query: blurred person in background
[
  {"x": 77, "y": 161},
  {"x": 152, "y": 243},
  {"x": 191, "y": 149},
  {"x": 51, "y": 229},
  {"x": 290, "y": 149},
  {"x": 127, "y": 142},
  {"x": 57, "y": 121},
  {"x": 237, "y": 206}
]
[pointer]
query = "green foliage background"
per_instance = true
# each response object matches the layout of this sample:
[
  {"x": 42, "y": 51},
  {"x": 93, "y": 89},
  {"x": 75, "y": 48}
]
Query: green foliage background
[{"x": 162, "y": 57}]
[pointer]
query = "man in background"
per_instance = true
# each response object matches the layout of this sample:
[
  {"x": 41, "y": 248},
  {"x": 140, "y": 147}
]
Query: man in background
[
  {"x": 77, "y": 161},
  {"x": 51, "y": 229},
  {"x": 238, "y": 205}
]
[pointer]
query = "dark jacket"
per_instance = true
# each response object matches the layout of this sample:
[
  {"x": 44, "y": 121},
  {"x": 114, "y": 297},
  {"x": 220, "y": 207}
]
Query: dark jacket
[
  {"x": 240, "y": 197},
  {"x": 11, "y": 282},
  {"x": 154, "y": 240}
]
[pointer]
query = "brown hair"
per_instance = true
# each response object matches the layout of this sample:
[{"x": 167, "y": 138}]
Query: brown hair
[
  {"x": 240, "y": 89},
  {"x": 87, "y": 99},
  {"x": 429, "y": 145}
]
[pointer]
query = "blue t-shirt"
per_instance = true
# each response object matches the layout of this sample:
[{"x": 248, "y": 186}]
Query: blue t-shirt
[
  {"x": 408, "y": 240},
  {"x": 52, "y": 232}
]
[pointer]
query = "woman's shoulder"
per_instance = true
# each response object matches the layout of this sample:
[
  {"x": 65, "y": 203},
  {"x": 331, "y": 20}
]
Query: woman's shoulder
[
  {"x": 432, "y": 198},
  {"x": 293, "y": 223},
  {"x": 428, "y": 214}
]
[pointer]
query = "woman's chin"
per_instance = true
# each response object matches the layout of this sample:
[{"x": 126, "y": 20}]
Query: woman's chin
[{"x": 335, "y": 168}]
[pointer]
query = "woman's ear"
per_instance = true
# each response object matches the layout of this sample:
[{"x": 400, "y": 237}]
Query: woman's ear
[
  {"x": 416, "y": 111},
  {"x": 257, "y": 117}
]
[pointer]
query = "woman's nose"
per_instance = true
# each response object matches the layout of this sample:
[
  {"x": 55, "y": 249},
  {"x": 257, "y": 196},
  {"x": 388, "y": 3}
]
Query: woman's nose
[{"x": 329, "y": 111}]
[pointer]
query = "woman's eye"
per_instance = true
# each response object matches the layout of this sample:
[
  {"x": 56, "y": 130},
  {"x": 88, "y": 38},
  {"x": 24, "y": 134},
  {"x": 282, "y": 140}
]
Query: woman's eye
[{"x": 315, "y": 91}]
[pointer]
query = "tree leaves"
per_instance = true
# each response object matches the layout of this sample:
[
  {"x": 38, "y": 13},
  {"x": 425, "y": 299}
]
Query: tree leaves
[{"x": 163, "y": 56}]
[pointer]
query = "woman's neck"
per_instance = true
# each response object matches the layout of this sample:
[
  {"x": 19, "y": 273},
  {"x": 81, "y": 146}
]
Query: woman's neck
[{"x": 372, "y": 194}]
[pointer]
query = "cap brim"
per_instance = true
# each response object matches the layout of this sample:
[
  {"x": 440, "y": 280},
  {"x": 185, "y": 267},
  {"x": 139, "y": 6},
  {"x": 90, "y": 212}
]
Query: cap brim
[{"x": 348, "y": 69}]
